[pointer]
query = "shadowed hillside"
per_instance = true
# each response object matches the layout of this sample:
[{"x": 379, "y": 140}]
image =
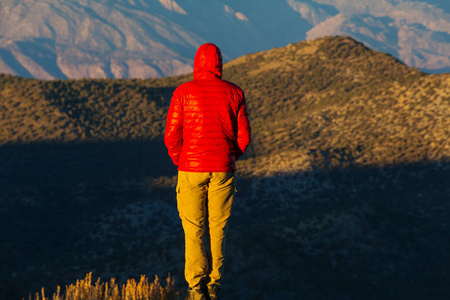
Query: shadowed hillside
[{"x": 342, "y": 195}]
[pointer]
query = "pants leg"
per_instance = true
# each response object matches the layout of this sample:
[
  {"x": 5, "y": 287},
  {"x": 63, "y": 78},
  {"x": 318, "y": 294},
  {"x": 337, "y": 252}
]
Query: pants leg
[
  {"x": 220, "y": 201},
  {"x": 191, "y": 197},
  {"x": 193, "y": 190}
]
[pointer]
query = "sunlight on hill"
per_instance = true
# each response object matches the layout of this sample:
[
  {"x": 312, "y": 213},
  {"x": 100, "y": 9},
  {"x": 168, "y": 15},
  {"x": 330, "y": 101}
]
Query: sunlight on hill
[{"x": 334, "y": 94}]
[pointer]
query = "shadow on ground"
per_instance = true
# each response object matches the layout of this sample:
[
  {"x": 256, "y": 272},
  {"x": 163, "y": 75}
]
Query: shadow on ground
[{"x": 373, "y": 232}]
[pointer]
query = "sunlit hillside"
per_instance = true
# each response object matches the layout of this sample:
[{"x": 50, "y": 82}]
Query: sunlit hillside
[
  {"x": 334, "y": 96},
  {"x": 82, "y": 110},
  {"x": 327, "y": 93},
  {"x": 343, "y": 193}
]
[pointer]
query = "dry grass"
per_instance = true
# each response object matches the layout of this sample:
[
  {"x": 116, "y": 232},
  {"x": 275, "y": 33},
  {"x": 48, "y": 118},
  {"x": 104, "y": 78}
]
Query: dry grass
[{"x": 85, "y": 289}]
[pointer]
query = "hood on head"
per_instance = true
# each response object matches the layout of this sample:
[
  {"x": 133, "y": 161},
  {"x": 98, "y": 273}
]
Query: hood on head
[{"x": 208, "y": 62}]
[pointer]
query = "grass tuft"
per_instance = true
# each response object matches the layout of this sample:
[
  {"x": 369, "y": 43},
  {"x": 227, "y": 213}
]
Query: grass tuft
[{"x": 86, "y": 289}]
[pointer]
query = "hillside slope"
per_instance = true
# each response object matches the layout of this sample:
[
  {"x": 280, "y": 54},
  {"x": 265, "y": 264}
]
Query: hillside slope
[
  {"x": 336, "y": 94},
  {"x": 327, "y": 93},
  {"x": 343, "y": 193}
]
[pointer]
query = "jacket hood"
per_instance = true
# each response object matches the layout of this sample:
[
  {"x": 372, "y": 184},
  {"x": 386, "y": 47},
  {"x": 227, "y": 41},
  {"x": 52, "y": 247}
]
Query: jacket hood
[{"x": 208, "y": 62}]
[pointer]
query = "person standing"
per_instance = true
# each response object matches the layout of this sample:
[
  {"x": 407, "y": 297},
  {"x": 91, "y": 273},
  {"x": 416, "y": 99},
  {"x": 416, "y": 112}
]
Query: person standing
[{"x": 207, "y": 130}]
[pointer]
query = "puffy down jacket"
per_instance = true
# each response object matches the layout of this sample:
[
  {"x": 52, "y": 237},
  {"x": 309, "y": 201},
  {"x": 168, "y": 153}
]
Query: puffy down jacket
[{"x": 207, "y": 125}]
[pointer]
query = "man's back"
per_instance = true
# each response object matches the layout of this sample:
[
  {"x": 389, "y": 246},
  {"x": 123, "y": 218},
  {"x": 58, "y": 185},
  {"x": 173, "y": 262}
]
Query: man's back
[{"x": 210, "y": 117}]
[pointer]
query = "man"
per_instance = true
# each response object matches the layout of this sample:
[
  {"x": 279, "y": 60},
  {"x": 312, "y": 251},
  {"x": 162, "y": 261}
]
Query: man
[{"x": 207, "y": 131}]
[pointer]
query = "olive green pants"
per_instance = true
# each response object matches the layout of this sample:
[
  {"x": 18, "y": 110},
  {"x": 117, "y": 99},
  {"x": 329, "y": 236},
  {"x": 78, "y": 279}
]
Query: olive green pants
[{"x": 204, "y": 202}]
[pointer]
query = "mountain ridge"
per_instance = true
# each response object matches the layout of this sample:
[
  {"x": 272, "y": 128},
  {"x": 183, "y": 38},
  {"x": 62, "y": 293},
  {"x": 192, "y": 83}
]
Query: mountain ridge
[{"x": 141, "y": 39}]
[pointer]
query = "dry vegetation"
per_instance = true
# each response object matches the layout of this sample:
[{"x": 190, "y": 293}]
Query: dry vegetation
[
  {"x": 82, "y": 110},
  {"x": 132, "y": 290}
]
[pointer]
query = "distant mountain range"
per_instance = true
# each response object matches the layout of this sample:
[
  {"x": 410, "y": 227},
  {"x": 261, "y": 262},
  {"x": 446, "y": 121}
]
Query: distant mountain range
[
  {"x": 343, "y": 193},
  {"x": 155, "y": 38}
]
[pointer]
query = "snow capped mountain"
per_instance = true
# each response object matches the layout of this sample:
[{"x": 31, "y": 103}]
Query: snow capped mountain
[
  {"x": 172, "y": 6},
  {"x": 153, "y": 38},
  {"x": 416, "y": 32}
]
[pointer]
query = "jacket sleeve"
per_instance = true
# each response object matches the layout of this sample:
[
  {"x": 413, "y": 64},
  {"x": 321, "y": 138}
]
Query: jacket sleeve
[
  {"x": 243, "y": 130},
  {"x": 173, "y": 137}
]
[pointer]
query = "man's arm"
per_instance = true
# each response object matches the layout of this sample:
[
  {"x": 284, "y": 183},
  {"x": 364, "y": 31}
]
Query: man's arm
[
  {"x": 173, "y": 137},
  {"x": 243, "y": 130}
]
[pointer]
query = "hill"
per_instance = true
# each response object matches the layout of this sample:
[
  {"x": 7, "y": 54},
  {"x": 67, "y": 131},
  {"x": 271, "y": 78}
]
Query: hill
[
  {"x": 335, "y": 94},
  {"x": 342, "y": 194}
]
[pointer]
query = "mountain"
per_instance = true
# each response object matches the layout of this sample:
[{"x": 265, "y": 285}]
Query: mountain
[
  {"x": 140, "y": 39},
  {"x": 342, "y": 195},
  {"x": 409, "y": 30}
]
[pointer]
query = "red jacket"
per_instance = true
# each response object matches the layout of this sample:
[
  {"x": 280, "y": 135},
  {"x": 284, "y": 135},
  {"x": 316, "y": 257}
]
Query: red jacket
[{"x": 207, "y": 124}]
